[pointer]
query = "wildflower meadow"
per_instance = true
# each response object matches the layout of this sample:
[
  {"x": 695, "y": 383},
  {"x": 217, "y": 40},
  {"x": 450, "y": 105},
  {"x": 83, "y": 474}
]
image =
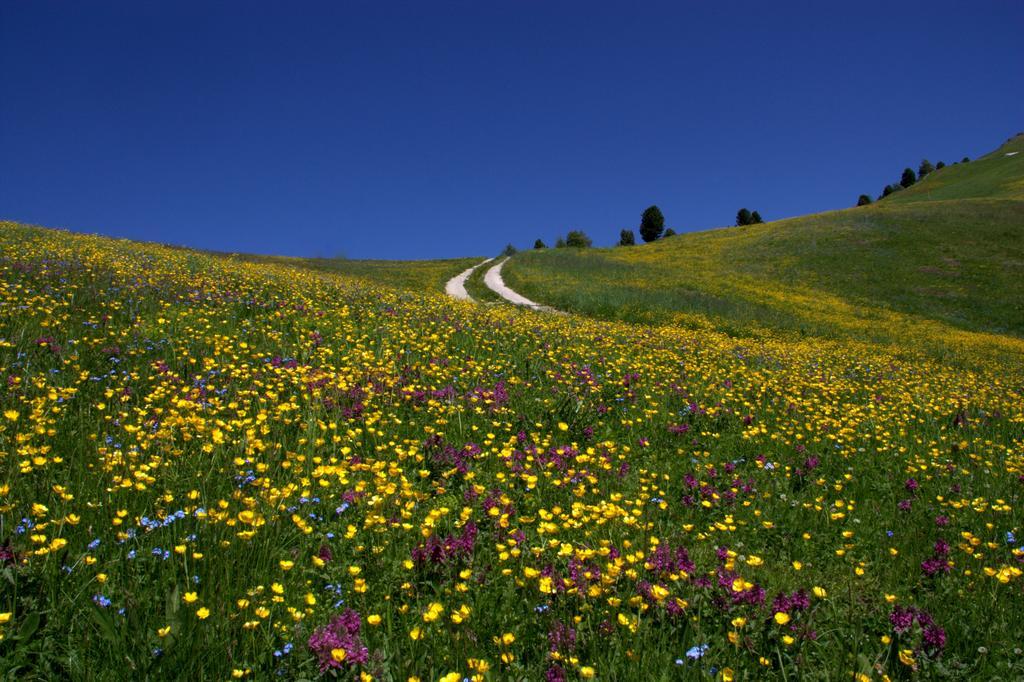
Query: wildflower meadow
[{"x": 215, "y": 468}]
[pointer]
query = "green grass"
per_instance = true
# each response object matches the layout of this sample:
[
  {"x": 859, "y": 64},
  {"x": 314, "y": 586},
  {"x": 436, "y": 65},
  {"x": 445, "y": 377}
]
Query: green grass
[
  {"x": 418, "y": 275},
  {"x": 993, "y": 175},
  {"x": 943, "y": 273},
  {"x": 476, "y": 287},
  {"x": 204, "y": 461}
]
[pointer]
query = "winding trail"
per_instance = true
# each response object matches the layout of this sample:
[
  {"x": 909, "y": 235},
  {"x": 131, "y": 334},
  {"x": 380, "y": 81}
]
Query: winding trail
[
  {"x": 496, "y": 284},
  {"x": 456, "y": 286}
]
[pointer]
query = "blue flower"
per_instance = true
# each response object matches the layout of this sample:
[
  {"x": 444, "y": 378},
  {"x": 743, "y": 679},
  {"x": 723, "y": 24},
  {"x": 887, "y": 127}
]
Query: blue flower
[{"x": 696, "y": 652}]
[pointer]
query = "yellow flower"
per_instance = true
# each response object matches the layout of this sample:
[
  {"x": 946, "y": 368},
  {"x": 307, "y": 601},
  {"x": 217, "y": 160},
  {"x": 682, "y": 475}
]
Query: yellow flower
[
  {"x": 373, "y": 619},
  {"x": 433, "y": 612},
  {"x": 5, "y": 617},
  {"x": 415, "y": 634},
  {"x": 164, "y": 631},
  {"x": 562, "y": 426},
  {"x": 781, "y": 617},
  {"x": 586, "y": 672},
  {"x": 819, "y": 592},
  {"x": 907, "y": 657},
  {"x": 277, "y": 588},
  {"x": 190, "y": 597},
  {"x": 338, "y": 655},
  {"x": 728, "y": 675},
  {"x": 286, "y": 565},
  {"x": 203, "y": 613},
  {"x": 12, "y": 415}
]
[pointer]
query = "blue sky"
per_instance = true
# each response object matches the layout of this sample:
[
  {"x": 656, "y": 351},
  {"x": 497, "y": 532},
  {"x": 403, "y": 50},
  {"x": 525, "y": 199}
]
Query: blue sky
[{"x": 430, "y": 129}]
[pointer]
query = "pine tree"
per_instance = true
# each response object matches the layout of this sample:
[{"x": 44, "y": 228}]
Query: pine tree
[
  {"x": 578, "y": 239},
  {"x": 626, "y": 238},
  {"x": 652, "y": 223},
  {"x": 743, "y": 217}
]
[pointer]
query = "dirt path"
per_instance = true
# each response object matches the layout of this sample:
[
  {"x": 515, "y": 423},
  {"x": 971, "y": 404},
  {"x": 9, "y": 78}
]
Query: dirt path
[
  {"x": 496, "y": 284},
  {"x": 456, "y": 286}
]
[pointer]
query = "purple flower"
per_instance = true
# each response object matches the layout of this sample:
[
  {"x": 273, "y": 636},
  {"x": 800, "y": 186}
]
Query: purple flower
[
  {"x": 934, "y": 639},
  {"x": 901, "y": 619},
  {"x": 341, "y": 633}
]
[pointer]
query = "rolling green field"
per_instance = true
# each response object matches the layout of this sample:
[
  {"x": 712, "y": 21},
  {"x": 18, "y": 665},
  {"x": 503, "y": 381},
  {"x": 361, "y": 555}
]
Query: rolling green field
[
  {"x": 243, "y": 467},
  {"x": 994, "y": 175},
  {"x": 939, "y": 264},
  {"x": 418, "y": 275}
]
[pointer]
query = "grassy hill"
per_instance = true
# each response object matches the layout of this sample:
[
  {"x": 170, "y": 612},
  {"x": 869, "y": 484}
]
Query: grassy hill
[
  {"x": 940, "y": 266},
  {"x": 418, "y": 275},
  {"x": 999, "y": 174},
  {"x": 223, "y": 468}
]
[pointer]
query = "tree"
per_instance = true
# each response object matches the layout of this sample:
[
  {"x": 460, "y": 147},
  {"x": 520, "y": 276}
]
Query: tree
[
  {"x": 863, "y": 200},
  {"x": 965, "y": 160},
  {"x": 626, "y": 238},
  {"x": 559, "y": 243},
  {"x": 924, "y": 169},
  {"x": 890, "y": 189},
  {"x": 669, "y": 232},
  {"x": 743, "y": 217},
  {"x": 652, "y": 223},
  {"x": 539, "y": 244},
  {"x": 577, "y": 239},
  {"x": 940, "y": 165},
  {"x": 908, "y": 178},
  {"x": 755, "y": 218},
  {"x": 509, "y": 250}
]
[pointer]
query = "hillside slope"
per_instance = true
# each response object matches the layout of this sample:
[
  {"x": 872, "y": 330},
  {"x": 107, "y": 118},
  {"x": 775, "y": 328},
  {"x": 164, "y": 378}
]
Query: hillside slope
[
  {"x": 999, "y": 174},
  {"x": 941, "y": 264},
  {"x": 218, "y": 469}
]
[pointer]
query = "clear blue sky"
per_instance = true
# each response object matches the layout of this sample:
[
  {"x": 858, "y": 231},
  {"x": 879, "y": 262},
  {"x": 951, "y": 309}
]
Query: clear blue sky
[{"x": 429, "y": 129}]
